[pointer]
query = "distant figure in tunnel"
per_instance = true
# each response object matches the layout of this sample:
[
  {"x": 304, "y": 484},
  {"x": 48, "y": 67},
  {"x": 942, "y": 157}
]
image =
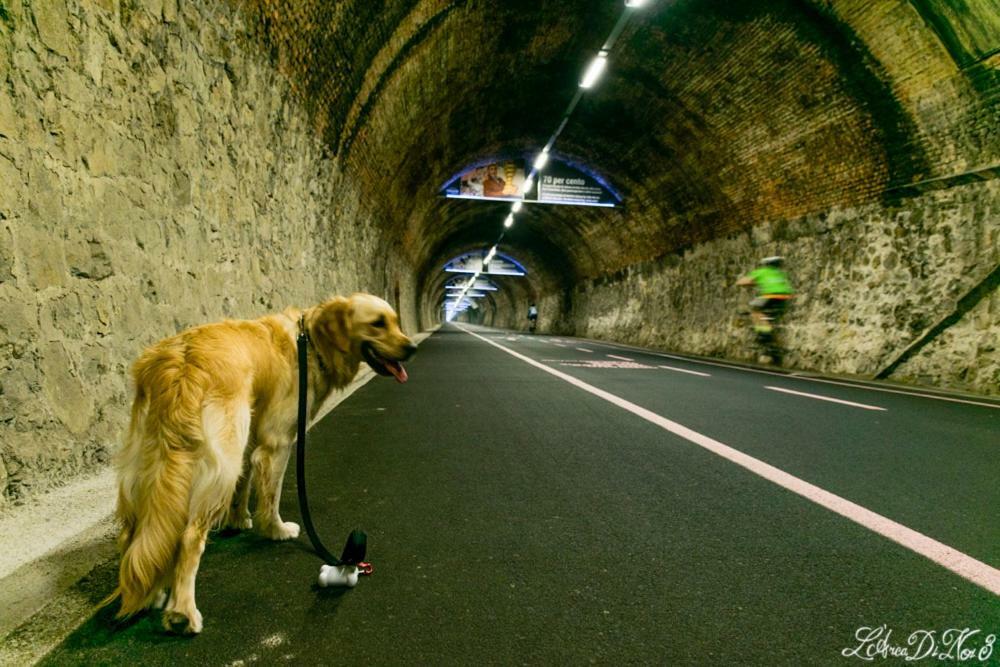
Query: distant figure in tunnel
[
  {"x": 532, "y": 317},
  {"x": 493, "y": 185},
  {"x": 773, "y": 291}
]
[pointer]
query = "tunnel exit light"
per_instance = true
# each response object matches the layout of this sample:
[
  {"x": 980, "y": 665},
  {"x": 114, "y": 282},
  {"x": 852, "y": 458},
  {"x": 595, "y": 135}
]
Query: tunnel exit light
[{"x": 595, "y": 70}]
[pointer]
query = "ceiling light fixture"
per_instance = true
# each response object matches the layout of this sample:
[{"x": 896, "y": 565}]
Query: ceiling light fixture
[
  {"x": 590, "y": 77},
  {"x": 595, "y": 70}
]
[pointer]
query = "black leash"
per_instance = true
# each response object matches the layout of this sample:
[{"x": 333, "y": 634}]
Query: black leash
[{"x": 357, "y": 542}]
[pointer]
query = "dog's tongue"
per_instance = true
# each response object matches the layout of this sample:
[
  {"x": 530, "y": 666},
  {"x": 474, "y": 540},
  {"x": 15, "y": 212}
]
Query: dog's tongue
[{"x": 397, "y": 370}]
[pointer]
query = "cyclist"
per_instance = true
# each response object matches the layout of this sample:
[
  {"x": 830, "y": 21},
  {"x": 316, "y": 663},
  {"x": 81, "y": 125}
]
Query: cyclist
[
  {"x": 773, "y": 291},
  {"x": 532, "y": 317}
]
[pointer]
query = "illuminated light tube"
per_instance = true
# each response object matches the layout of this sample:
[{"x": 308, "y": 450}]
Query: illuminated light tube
[
  {"x": 516, "y": 207},
  {"x": 509, "y": 220},
  {"x": 541, "y": 160},
  {"x": 493, "y": 251},
  {"x": 595, "y": 70},
  {"x": 634, "y": 4},
  {"x": 527, "y": 185}
]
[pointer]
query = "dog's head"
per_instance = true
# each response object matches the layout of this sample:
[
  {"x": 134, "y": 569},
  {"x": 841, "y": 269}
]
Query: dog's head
[{"x": 365, "y": 327}]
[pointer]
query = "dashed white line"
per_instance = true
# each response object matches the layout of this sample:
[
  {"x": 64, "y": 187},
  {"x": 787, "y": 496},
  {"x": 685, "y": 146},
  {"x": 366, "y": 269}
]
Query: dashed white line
[
  {"x": 799, "y": 376},
  {"x": 684, "y": 370},
  {"x": 965, "y": 566},
  {"x": 826, "y": 398},
  {"x": 583, "y": 349},
  {"x": 615, "y": 356}
]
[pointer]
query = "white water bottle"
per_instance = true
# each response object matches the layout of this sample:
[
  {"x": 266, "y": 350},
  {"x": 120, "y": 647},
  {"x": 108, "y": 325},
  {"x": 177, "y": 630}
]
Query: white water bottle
[{"x": 338, "y": 575}]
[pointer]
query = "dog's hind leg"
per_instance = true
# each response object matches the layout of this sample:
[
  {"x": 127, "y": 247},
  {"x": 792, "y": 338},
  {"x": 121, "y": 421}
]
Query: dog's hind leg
[
  {"x": 226, "y": 427},
  {"x": 182, "y": 615},
  {"x": 270, "y": 459}
]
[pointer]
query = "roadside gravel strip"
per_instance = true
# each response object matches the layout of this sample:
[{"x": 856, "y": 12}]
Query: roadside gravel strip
[{"x": 53, "y": 542}]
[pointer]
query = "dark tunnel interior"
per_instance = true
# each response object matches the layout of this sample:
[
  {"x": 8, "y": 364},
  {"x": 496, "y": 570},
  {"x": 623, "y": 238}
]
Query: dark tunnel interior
[{"x": 167, "y": 163}]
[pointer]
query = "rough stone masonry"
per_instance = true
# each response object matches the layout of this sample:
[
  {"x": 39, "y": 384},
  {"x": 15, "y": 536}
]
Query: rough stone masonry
[
  {"x": 155, "y": 175},
  {"x": 170, "y": 162}
]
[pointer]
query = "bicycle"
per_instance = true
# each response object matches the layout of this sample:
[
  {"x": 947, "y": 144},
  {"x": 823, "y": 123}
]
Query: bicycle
[{"x": 768, "y": 341}]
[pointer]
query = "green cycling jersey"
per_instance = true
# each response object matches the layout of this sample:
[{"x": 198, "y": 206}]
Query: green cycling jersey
[{"x": 770, "y": 280}]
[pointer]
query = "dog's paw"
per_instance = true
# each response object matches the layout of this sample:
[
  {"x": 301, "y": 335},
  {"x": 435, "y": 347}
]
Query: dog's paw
[
  {"x": 180, "y": 623},
  {"x": 282, "y": 530},
  {"x": 238, "y": 523}
]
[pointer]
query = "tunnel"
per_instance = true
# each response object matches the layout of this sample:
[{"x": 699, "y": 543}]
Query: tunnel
[{"x": 170, "y": 163}]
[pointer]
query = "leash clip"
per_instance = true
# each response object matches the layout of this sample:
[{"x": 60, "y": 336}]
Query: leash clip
[{"x": 365, "y": 568}]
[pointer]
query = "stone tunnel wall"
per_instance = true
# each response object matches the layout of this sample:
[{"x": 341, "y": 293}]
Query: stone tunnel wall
[
  {"x": 155, "y": 175},
  {"x": 871, "y": 280},
  {"x": 890, "y": 258}
]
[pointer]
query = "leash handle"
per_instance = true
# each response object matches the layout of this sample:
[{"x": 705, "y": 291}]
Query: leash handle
[{"x": 356, "y": 546}]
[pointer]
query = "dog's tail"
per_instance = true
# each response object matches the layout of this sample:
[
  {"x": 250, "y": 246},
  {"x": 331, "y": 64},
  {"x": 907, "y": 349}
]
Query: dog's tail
[{"x": 155, "y": 471}]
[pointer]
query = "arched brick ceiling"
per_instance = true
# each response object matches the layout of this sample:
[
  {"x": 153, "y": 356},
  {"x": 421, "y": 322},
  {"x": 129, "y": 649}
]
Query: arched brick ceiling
[{"x": 713, "y": 115}]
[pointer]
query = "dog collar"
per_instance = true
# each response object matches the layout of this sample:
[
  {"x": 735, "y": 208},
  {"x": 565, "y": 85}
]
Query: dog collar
[{"x": 303, "y": 331}]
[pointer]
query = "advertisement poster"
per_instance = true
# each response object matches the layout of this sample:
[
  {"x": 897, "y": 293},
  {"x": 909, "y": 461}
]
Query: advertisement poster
[
  {"x": 502, "y": 179},
  {"x": 500, "y": 265},
  {"x": 560, "y": 184},
  {"x": 482, "y": 284}
]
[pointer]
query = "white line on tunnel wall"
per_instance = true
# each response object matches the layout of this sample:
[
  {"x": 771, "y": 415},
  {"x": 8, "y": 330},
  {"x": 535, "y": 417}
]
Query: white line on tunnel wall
[
  {"x": 826, "y": 398},
  {"x": 947, "y": 557}
]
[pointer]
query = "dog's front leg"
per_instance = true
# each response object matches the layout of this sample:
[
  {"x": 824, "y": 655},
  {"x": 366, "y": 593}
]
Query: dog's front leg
[{"x": 269, "y": 461}]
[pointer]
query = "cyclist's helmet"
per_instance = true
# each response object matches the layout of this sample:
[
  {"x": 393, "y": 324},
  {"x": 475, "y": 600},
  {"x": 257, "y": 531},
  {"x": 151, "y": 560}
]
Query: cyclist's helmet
[{"x": 772, "y": 261}]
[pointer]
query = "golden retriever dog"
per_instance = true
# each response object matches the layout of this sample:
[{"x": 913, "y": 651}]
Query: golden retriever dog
[{"x": 215, "y": 409}]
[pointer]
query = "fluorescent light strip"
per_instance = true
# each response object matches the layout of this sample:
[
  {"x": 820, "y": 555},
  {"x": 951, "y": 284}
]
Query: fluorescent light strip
[
  {"x": 590, "y": 77},
  {"x": 594, "y": 71}
]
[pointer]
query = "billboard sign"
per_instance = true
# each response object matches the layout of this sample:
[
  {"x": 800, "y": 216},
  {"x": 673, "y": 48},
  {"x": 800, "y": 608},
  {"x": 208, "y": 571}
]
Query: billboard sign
[
  {"x": 472, "y": 262},
  {"x": 482, "y": 284},
  {"x": 561, "y": 184},
  {"x": 557, "y": 183},
  {"x": 500, "y": 179}
]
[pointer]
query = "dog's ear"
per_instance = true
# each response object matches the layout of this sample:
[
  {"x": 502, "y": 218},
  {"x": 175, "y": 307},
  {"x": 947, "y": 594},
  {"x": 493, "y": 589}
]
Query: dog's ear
[{"x": 334, "y": 322}]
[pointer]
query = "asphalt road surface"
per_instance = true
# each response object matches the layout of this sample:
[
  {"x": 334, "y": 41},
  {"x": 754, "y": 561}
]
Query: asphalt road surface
[{"x": 621, "y": 506}]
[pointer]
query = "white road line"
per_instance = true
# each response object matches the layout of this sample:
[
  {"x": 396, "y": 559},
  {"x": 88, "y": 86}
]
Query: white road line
[
  {"x": 947, "y": 557},
  {"x": 690, "y": 360},
  {"x": 615, "y": 356},
  {"x": 904, "y": 393},
  {"x": 826, "y": 398},
  {"x": 583, "y": 349},
  {"x": 559, "y": 345},
  {"x": 684, "y": 370}
]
